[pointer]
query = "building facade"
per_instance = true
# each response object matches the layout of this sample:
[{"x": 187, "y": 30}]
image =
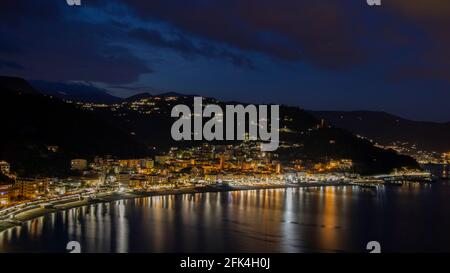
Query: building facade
[
  {"x": 78, "y": 164},
  {"x": 5, "y": 168},
  {"x": 32, "y": 188}
]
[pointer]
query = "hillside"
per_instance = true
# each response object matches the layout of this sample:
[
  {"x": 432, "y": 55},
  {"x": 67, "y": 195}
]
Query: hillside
[
  {"x": 141, "y": 125},
  {"x": 16, "y": 84},
  {"x": 302, "y": 135},
  {"x": 75, "y": 91},
  {"x": 31, "y": 122},
  {"x": 386, "y": 128}
]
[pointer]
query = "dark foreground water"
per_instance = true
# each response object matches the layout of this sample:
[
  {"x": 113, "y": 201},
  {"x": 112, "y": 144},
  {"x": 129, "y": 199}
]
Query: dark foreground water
[{"x": 410, "y": 218}]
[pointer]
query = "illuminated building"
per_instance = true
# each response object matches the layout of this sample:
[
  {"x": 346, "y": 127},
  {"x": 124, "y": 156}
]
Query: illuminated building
[
  {"x": 93, "y": 180},
  {"x": 157, "y": 179},
  {"x": 31, "y": 188},
  {"x": 147, "y": 163},
  {"x": 277, "y": 165},
  {"x": 6, "y": 194},
  {"x": 221, "y": 162},
  {"x": 211, "y": 178},
  {"x": 130, "y": 163},
  {"x": 162, "y": 159},
  {"x": 123, "y": 179},
  {"x": 78, "y": 164},
  {"x": 138, "y": 182},
  {"x": 446, "y": 157},
  {"x": 5, "y": 167},
  {"x": 53, "y": 148}
]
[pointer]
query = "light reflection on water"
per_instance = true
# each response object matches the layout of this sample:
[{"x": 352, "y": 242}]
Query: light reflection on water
[{"x": 322, "y": 219}]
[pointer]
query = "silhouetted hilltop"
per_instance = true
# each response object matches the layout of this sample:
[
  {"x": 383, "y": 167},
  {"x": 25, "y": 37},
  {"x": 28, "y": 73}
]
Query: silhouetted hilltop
[
  {"x": 139, "y": 97},
  {"x": 386, "y": 128},
  {"x": 175, "y": 94},
  {"x": 32, "y": 122},
  {"x": 16, "y": 84},
  {"x": 151, "y": 122},
  {"x": 147, "y": 95},
  {"x": 75, "y": 91}
]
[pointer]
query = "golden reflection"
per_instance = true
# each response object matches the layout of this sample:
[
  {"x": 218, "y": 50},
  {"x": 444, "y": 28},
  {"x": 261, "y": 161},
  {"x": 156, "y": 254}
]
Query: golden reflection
[
  {"x": 328, "y": 235},
  {"x": 122, "y": 228},
  {"x": 275, "y": 220}
]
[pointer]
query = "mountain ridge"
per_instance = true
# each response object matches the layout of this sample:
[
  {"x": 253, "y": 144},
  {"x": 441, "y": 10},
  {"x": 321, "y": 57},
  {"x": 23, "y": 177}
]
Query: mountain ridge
[
  {"x": 386, "y": 128},
  {"x": 36, "y": 121},
  {"x": 75, "y": 91},
  {"x": 16, "y": 84},
  {"x": 134, "y": 130}
]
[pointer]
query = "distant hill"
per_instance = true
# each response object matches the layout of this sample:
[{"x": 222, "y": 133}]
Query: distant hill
[
  {"x": 139, "y": 97},
  {"x": 31, "y": 122},
  {"x": 84, "y": 92},
  {"x": 386, "y": 128},
  {"x": 315, "y": 142},
  {"x": 175, "y": 94},
  {"x": 16, "y": 84},
  {"x": 75, "y": 91},
  {"x": 146, "y": 95}
]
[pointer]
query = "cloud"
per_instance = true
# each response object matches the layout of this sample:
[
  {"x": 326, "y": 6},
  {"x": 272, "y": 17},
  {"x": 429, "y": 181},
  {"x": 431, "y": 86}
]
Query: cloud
[
  {"x": 188, "y": 48},
  {"x": 53, "y": 45},
  {"x": 330, "y": 34},
  {"x": 92, "y": 43},
  {"x": 409, "y": 38},
  {"x": 319, "y": 32},
  {"x": 432, "y": 19}
]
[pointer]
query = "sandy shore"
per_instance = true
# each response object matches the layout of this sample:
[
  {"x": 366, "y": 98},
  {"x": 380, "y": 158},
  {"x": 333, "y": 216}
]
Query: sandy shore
[{"x": 38, "y": 212}]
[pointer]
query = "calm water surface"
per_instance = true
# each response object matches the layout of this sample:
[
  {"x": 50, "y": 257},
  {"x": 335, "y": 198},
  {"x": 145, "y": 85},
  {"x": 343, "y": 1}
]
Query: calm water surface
[{"x": 410, "y": 218}]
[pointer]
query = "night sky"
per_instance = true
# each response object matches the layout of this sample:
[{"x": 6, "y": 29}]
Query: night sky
[{"x": 320, "y": 55}]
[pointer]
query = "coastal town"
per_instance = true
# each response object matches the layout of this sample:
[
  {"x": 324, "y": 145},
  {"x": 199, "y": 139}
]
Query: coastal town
[{"x": 205, "y": 168}]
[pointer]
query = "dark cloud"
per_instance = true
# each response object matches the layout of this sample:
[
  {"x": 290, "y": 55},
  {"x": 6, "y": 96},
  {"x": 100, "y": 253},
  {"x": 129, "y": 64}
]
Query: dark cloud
[
  {"x": 320, "y": 32},
  {"x": 40, "y": 37},
  {"x": 188, "y": 48},
  {"x": 331, "y": 34},
  {"x": 432, "y": 18},
  {"x": 53, "y": 43}
]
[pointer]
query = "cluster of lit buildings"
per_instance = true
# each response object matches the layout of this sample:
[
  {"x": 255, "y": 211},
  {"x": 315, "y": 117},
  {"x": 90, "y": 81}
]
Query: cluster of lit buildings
[
  {"x": 204, "y": 165},
  {"x": 145, "y": 105},
  {"x": 26, "y": 188},
  {"x": 435, "y": 162},
  {"x": 420, "y": 155},
  {"x": 201, "y": 166}
]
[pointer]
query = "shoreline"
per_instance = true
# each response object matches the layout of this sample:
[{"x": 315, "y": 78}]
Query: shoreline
[{"x": 31, "y": 214}]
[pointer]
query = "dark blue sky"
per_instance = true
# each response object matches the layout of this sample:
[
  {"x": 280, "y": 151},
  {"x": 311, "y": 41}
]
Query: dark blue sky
[{"x": 321, "y": 55}]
